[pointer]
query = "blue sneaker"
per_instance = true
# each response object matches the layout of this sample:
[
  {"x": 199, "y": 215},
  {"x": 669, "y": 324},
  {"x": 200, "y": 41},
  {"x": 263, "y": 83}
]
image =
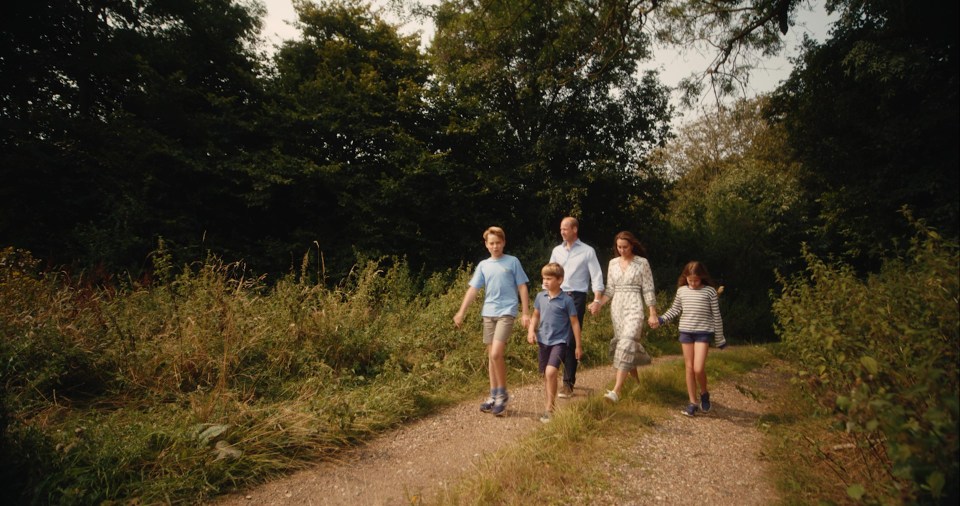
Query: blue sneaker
[
  {"x": 691, "y": 409},
  {"x": 487, "y": 405},
  {"x": 705, "y": 402},
  {"x": 500, "y": 405}
]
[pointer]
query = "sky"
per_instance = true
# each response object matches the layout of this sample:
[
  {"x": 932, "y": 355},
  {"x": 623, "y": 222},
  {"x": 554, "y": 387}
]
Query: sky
[{"x": 674, "y": 65}]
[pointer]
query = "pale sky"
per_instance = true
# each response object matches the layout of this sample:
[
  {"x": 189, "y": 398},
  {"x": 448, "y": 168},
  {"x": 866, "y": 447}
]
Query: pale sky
[{"x": 673, "y": 64}]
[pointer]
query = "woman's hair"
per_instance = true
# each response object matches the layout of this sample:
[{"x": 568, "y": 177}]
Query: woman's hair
[
  {"x": 497, "y": 231},
  {"x": 695, "y": 268},
  {"x": 635, "y": 245}
]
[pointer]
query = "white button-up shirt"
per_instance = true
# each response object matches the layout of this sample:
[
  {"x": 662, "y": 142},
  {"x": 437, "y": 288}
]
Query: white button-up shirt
[{"x": 581, "y": 269}]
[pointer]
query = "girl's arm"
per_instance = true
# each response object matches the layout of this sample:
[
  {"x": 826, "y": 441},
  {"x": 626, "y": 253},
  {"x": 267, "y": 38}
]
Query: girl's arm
[
  {"x": 674, "y": 310},
  {"x": 718, "y": 338},
  {"x": 468, "y": 299}
]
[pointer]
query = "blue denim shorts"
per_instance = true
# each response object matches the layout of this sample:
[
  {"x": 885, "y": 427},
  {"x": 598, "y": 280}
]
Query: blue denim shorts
[{"x": 695, "y": 337}]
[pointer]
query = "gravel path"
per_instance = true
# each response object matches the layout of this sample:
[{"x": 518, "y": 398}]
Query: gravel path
[{"x": 715, "y": 458}]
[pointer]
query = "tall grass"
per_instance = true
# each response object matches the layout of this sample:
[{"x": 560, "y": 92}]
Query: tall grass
[{"x": 207, "y": 378}]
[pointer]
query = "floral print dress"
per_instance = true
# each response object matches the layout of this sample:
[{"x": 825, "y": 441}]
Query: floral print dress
[{"x": 631, "y": 291}]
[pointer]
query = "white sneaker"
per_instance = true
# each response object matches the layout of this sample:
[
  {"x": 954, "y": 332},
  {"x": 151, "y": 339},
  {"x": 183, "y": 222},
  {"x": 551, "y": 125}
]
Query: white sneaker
[{"x": 612, "y": 396}]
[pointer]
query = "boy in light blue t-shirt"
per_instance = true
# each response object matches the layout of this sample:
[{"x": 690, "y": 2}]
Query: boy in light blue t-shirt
[
  {"x": 554, "y": 320},
  {"x": 505, "y": 284}
]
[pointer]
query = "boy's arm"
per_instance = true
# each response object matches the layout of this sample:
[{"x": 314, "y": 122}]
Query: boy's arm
[
  {"x": 575, "y": 323},
  {"x": 468, "y": 299},
  {"x": 532, "y": 328},
  {"x": 524, "y": 304}
]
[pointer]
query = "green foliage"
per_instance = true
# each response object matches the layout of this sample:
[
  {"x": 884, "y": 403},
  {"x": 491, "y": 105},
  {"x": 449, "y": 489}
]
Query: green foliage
[
  {"x": 209, "y": 378},
  {"x": 871, "y": 115},
  {"x": 881, "y": 354},
  {"x": 54, "y": 343},
  {"x": 737, "y": 205},
  {"x": 546, "y": 113},
  {"x": 122, "y": 120}
]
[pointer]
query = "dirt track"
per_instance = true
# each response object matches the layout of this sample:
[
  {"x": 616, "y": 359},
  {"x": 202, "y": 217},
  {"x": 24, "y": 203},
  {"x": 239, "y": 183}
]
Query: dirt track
[{"x": 713, "y": 459}]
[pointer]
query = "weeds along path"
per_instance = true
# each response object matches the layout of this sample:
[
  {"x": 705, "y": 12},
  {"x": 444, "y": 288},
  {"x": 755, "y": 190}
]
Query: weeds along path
[{"x": 712, "y": 459}]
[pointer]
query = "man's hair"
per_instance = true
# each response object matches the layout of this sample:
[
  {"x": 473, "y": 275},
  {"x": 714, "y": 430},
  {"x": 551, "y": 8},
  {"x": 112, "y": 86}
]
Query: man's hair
[
  {"x": 497, "y": 231},
  {"x": 552, "y": 269}
]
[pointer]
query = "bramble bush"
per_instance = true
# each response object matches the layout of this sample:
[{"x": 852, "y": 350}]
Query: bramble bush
[{"x": 880, "y": 353}]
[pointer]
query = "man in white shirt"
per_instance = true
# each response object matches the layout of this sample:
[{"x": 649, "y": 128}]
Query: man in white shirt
[{"x": 581, "y": 273}]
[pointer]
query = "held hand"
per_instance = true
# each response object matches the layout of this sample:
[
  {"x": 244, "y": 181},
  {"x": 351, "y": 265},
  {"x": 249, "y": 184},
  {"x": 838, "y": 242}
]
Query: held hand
[
  {"x": 653, "y": 322},
  {"x": 595, "y": 308}
]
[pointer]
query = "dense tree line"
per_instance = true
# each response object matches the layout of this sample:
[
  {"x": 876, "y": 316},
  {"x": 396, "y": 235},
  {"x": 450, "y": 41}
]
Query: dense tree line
[{"x": 123, "y": 122}]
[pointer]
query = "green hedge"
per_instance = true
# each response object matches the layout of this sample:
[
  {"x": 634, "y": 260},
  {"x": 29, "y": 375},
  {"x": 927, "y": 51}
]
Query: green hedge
[{"x": 880, "y": 352}]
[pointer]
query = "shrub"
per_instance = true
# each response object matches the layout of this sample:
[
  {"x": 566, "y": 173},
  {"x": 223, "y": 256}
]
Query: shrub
[{"x": 881, "y": 354}]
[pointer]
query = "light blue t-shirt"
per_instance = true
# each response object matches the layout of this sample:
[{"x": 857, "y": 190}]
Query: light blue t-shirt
[
  {"x": 499, "y": 279},
  {"x": 555, "y": 314}
]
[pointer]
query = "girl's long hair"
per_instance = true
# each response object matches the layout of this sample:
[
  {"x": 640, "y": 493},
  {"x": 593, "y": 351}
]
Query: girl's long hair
[{"x": 695, "y": 268}]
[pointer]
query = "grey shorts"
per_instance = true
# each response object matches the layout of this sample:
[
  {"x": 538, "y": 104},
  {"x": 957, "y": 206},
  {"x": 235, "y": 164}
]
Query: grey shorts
[{"x": 497, "y": 328}]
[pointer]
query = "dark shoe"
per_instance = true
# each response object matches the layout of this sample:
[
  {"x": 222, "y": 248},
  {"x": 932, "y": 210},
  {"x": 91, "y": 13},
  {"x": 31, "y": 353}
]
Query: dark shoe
[
  {"x": 690, "y": 410},
  {"x": 487, "y": 406},
  {"x": 500, "y": 406},
  {"x": 705, "y": 402},
  {"x": 566, "y": 391}
]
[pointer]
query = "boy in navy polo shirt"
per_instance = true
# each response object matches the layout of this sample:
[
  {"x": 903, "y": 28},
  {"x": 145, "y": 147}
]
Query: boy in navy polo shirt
[{"x": 554, "y": 320}]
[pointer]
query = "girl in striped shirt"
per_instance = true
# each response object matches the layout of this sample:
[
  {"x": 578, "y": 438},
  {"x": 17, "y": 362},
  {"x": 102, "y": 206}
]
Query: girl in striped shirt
[{"x": 698, "y": 307}]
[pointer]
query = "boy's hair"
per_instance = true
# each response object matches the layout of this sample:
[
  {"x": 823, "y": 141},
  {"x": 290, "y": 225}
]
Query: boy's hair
[
  {"x": 497, "y": 231},
  {"x": 695, "y": 268},
  {"x": 553, "y": 270}
]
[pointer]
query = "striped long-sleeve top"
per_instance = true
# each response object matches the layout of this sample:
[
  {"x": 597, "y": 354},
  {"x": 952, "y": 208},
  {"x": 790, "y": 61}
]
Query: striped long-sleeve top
[{"x": 699, "y": 311}]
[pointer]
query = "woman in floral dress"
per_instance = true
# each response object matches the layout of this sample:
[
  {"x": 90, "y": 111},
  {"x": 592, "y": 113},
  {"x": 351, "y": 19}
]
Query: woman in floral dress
[{"x": 630, "y": 287}]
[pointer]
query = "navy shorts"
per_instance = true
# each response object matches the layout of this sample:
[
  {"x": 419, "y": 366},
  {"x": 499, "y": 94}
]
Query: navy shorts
[
  {"x": 551, "y": 355},
  {"x": 695, "y": 337}
]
